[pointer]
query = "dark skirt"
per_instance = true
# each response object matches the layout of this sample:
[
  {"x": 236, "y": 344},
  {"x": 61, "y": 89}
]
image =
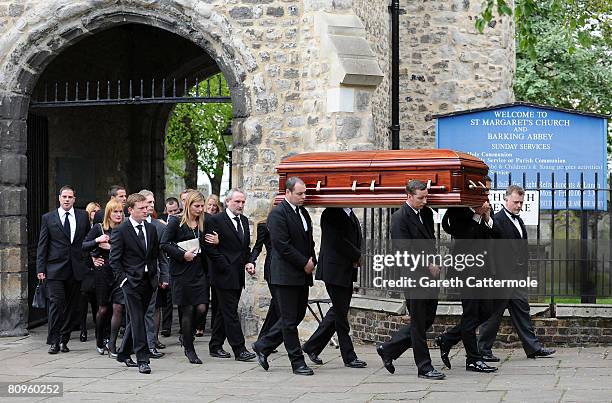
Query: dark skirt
[
  {"x": 192, "y": 287},
  {"x": 104, "y": 284},
  {"x": 117, "y": 296}
]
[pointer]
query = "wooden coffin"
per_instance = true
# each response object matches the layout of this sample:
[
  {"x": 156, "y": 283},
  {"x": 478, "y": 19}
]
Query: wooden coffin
[{"x": 378, "y": 178}]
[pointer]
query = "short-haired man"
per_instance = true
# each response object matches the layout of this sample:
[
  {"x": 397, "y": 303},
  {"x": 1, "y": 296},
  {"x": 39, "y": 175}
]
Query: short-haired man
[
  {"x": 133, "y": 259},
  {"x": 510, "y": 258},
  {"x": 291, "y": 267},
  {"x": 60, "y": 261},
  {"x": 230, "y": 258},
  {"x": 412, "y": 230},
  {"x": 118, "y": 193},
  {"x": 172, "y": 208}
]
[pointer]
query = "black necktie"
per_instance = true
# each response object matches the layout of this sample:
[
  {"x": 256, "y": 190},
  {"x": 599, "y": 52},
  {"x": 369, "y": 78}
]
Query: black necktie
[
  {"x": 297, "y": 210},
  {"x": 141, "y": 237},
  {"x": 67, "y": 225},
  {"x": 239, "y": 228},
  {"x": 418, "y": 213}
]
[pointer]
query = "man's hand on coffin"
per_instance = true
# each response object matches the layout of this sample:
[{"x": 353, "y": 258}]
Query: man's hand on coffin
[
  {"x": 434, "y": 270},
  {"x": 309, "y": 268}
]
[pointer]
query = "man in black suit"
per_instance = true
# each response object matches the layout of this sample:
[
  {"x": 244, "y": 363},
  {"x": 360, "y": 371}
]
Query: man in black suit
[
  {"x": 339, "y": 260},
  {"x": 510, "y": 259},
  {"x": 60, "y": 261},
  {"x": 118, "y": 193},
  {"x": 471, "y": 228},
  {"x": 133, "y": 258},
  {"x": 291, "y": 267},
  {"x": 229, "y": 260},
  {"x": 412, "y": 231}
]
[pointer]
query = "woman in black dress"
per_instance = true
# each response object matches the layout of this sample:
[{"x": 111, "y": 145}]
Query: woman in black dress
[
  {"x": 187, "y": 268},
  {"x": 97, "y": 244}
]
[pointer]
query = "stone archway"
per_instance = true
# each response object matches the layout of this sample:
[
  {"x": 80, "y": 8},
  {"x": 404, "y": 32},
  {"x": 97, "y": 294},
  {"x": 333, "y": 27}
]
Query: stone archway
[{"x": 28, "y": 48}]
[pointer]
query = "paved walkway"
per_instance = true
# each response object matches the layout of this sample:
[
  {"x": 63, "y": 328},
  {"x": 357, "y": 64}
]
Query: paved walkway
[{"x": 572, "y": 375}]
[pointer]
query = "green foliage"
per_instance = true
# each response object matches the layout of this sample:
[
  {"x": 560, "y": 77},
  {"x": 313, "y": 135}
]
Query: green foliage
[{"x": 194, "y": 134}]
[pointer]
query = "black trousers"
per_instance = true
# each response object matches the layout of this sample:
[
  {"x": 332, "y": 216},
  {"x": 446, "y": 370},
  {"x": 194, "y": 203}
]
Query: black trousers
[
  {"x": 335, "y": 320},
  {"x": 135, "y": 336},
  {"x": 272, "y": 316},
  {"x": 518, "y": 306},
  {"x": 227, "y": 322},
  {"x": 217, "y": 326},
  {"x": 475, "y": 312},
  {"x": 422, "y": 315},
  {"x": 292, "y": 303},
  {"x": 166, "y": 310},
  {"x": 63, "y": 311}
]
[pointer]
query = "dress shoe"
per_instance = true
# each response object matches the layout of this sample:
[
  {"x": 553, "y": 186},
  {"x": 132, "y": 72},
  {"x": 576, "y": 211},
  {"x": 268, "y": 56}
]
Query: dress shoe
[
  {"x": 64, "y": 347},
  {"x": 479, "y": 366},
  {"x": 274, "y": 351},
  {"x": 83, "y": 336},
  {"x": 54, "y": 349},
  {"x": 101, "y": 350},
  {"x": 433, "y": 374},
  {"x": 220, "y": 353},
  {"x": 314, "y": 358},
  {"x": 543, "y": 352},
  {"x": 490, "y": 358},
  {"x": 444, "y": 351},
  {"x": 262, "y": 360},
  {"x": 153, "y": 353},
  {"x": 199, "y": 333},
  {"x": 245, "y": 355},
  {"x": 112, "y": 353},
  {"x": 192, "y": 357},
  {"x": 128, "y": 362},
  {"x": 144, "y": 368},
  {"x": 387, "y": 362},
  {"x": 159, "y": 345},
  {"x": 165, "y": 333},
  {"x": 356, "y": 364},
  {"x": 303, "y": 370}
]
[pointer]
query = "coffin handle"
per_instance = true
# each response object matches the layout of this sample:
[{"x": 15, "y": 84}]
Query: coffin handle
[
  {"x": 372, "y": 185},
  {"x": 354, "y": 187},
  {"x": 318, "y": 189},
  {"x": 428, "y": 184},
  {"x": 482, "y": 184},
  {"x": 472, "y": 184}
]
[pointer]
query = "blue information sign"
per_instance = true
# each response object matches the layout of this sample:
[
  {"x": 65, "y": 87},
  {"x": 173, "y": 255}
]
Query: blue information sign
[{"x": 524, "y": 138}]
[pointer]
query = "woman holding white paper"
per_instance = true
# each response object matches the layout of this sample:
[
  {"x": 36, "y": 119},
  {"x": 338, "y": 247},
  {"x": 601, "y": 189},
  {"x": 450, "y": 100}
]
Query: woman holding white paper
[{"x": 183, "y": 241}]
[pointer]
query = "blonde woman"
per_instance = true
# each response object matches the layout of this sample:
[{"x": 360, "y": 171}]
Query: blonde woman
[{"x": 92, "y": 208}]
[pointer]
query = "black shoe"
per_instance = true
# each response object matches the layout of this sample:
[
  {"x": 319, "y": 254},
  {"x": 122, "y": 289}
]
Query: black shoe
[
  {"x": 479, "y": 366},
  {"x": 444, "y": 351},
  {"x": 83, "y": 336},
  {"x": 192, "y": 357},
  {"x": 433, "y": 374},
  {"x": 54, "y": 348},
  {"x": 128, "y": 362},
  {"x": 274, "y": 351},
  {"x": 159, "y": 345},
  {"x": 490, "y": 358},
  {"x": 220, "y": 353},
  {"x": 112, "y": 352},
  {"x": 64, "y": 347},
  {"x": 144, "y": 368},
  {"x": 245, "y": 355},
  {"x": 101, "y": 350},
  {"x": 262, "y": 360},
  {"x": 153, "y": 353},
  {"x": 303, "y": 370},
  {"x": 199, "y": 333},
  {"x": 387, "y": 362},
  {"x": 356, "y": 364},
  {"x": 543, "y": 352},
  {"x": 165, "y": 333},
  {"x": 314, "y": 358},
  {"x": 121, "y": 331}
]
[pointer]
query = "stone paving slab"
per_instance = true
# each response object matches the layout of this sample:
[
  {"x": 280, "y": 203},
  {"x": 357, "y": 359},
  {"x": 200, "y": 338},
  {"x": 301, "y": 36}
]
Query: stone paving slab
[{"x": 572, "y": 375}]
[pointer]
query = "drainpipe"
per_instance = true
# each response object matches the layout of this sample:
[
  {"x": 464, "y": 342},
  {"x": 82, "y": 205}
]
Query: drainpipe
[{"x": 395, "y": 11}]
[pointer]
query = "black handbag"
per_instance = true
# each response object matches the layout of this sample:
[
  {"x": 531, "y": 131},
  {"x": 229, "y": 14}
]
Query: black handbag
[{"x": 40, "y": 295}]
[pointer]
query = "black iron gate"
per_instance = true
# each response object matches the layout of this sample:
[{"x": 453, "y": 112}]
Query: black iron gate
[{"x": 37, "y": 192}]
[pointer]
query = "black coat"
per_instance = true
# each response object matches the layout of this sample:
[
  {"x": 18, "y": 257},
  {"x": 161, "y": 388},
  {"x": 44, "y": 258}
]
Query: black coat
[
  {"x": 128, "y": 258},
  {"x": 291, "y": 246},
  {"x": 263, "y": 239},
  {"x": 56, "y": 256},
  {"x": 228, "y": 258},
  {"x": 340, "y": 247},
  {"x": 511, "y": 254},
  {"x": 175, "y": 233}
]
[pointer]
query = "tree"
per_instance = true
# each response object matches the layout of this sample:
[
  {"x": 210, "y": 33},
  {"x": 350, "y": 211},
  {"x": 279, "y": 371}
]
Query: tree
[{"x": 194, "y": 136}]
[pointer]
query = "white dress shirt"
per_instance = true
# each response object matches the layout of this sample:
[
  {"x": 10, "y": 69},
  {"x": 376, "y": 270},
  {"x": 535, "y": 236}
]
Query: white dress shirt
[
  {"x": 515, "y": 222},
  {"x": 71, "y": 220},
  {"x": 304, "y": 223},
  {"x": 236, "y": 223}
]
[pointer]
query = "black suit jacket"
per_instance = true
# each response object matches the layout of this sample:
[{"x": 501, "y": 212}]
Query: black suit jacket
[
  {"x": 56, "y": 256},
  {"x": 340, "y": 247},
  {"x": 263, "y": 239},
  {"x": 291, "y": 246},
  {"x": 128, "y": 258},
  {"x": 175, "y": 233},
  {"x": 511, "y": 254},
  {"x": 227, "y": 259}
]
